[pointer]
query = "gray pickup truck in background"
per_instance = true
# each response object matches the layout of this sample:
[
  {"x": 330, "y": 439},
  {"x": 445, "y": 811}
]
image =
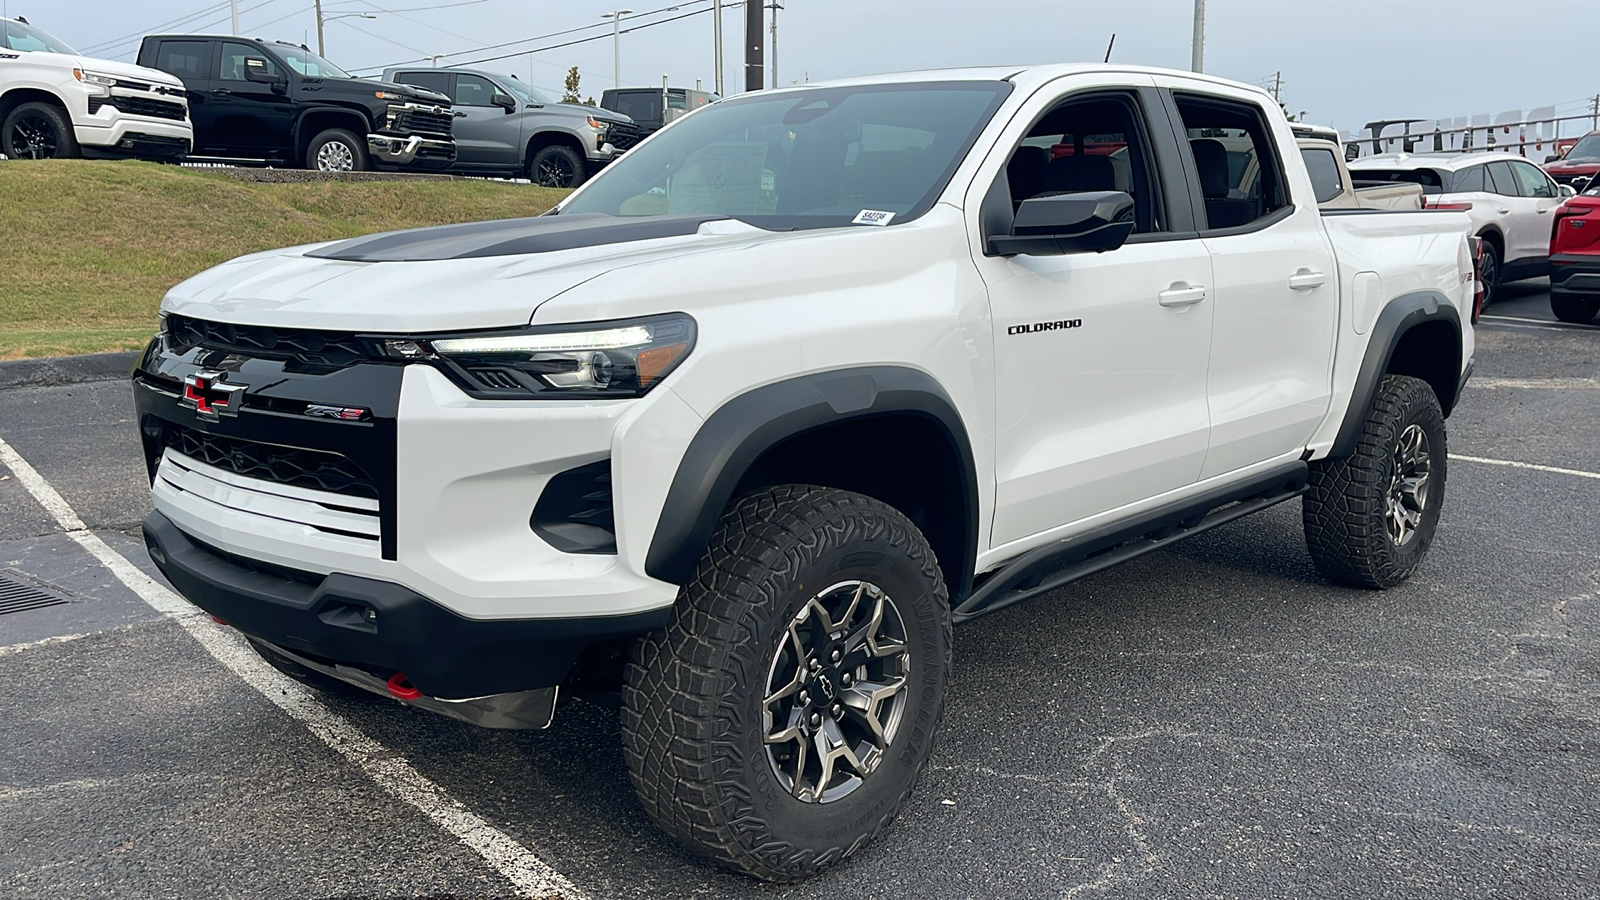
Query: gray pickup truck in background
[{"x": 505, "y": 127}]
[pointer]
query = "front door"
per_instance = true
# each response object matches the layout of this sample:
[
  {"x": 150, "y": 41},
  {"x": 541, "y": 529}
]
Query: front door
[
  {"x": 1100, "y": 358},
  {"x": 1275, "y": 281},
  {"x": 1539, "y": 198},
  {"x": 487, "y": 135},
  {"x": 249, "y": 119}
]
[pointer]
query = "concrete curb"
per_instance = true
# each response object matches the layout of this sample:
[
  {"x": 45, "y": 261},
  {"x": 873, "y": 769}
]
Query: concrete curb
[{"x": 52, "y": 370}]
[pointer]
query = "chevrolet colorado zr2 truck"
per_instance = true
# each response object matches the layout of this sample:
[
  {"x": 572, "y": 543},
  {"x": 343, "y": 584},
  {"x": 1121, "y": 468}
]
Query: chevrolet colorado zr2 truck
[
  {"x": 735, "y": 434},
  {"x": 56, "y": 103}
]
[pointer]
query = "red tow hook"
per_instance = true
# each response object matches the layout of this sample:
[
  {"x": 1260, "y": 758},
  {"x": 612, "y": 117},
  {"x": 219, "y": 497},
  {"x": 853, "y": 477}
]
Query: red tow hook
[
  {"x": 401, "y": 688},
  {"x": 217, "y": 619}
]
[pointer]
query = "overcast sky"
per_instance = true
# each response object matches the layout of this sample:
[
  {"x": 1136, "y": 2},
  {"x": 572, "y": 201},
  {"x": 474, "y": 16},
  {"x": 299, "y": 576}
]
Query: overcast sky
[{"x": 1343, "y": 61}]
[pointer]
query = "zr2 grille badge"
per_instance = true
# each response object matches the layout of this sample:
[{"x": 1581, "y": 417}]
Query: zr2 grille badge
[
  {"x": 210, "y": 395},
  {"x": 342, "y": 413}
]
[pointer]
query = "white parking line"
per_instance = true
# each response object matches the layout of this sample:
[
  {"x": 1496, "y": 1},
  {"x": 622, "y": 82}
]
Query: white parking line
[
  {"x": 527, "y": 873},
  {"x": 1544, "y": 323},
  {"x": 1522, "y": 465}
]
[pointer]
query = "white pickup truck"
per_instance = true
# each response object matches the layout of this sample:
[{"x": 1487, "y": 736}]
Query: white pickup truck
[
  {"x": 738, "y": 432},
  {"x": 56, "y": 103}
]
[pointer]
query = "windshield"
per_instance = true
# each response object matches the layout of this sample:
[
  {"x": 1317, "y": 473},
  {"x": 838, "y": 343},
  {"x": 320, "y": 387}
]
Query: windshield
[
  {"x": 877, "y": 154},
  {"x": 1588, "y": 148},
  {"x": 307, "y": 63},
  {"x": 528, "y": 94},
  {"x": 17, "y": 36}
]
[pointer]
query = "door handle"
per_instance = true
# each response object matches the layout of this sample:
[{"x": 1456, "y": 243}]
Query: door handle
[
  {"x": 1503, "y": 210},
  {"x": 221, "y": 91},
  {"x": 1542, "y": 210},
  {"x": 1305, "y": 280},
  {"x": 1181, "y": 296}
]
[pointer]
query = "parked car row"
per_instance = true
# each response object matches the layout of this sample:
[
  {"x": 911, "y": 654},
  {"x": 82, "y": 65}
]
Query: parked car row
[{"x": 245, "y": 100}]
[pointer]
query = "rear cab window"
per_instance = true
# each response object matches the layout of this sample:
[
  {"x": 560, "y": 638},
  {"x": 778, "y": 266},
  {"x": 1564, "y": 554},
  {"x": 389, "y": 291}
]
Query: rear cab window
[
  {"x": 432, "y": 81},
  {"x": 189, "y": 60},
  {"x": 1236, "y": 159},
  {"x": 1324, "y": 169}
]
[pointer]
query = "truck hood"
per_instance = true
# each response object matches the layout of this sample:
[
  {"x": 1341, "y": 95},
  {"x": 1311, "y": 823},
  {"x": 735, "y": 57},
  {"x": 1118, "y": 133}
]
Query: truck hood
[
  {"x": 367, "y": 86},
  {"x": 449, "y": 278},
  {"x": 124, "y": 70},
  {"x": 1573, "y": 167}
]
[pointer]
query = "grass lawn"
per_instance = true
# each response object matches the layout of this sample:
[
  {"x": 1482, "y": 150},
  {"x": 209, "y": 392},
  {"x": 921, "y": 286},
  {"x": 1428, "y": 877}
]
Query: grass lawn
[{"x": 88, "y": 248}]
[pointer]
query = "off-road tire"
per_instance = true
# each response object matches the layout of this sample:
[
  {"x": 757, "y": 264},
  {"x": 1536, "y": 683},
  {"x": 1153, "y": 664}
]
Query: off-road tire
[
  {"x": 1345, "y": 504},
  {"x": 1578, "y": 310},
  {"x": 45, "y": 118},
  {"x": 692, "y": 720},
  {"x": 558, "y": 166},
  {"x": 353, "y": 146}
]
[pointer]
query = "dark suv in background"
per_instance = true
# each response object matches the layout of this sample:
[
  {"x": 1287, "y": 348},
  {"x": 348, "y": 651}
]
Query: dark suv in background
[
  {"x": 274, "y": 102},
  {"x": 505, "y": 127}
]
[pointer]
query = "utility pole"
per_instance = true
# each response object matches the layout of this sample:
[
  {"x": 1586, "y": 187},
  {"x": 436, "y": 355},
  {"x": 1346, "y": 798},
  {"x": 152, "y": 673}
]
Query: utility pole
[
  {"x": 754, "y": 53},
  {"x": 775, "y": 6},
  {"x": 1277, "y": 87},
  {"x": 616, "y": 44},
  {"x": 1594, "y": 121},
  {"x": 1197, "y": 57},
  {"x": 233, "y": 6},
  {"x": 319, "y": 28},
  {"x": 716, "y": 42}
]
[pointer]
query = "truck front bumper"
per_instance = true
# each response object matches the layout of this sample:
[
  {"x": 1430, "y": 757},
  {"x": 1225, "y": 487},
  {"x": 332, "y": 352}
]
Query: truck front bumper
[
  {"x": 404, "y": 151},
  {"x": 367, "y": 632}
]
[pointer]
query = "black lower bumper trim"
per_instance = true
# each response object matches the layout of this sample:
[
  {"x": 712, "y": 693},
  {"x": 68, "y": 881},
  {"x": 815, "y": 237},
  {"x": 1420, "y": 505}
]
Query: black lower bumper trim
[
  {"x": 1575, "y": 273},
  {"x": 381, "y": 626}
]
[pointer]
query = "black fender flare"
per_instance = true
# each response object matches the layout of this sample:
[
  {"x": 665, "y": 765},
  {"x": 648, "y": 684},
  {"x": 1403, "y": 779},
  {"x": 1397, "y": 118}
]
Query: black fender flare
[
  {"x": 300, "y": 139},
  {"x": 1402, "y": 314},
  {"x": 745, "y": 427}
]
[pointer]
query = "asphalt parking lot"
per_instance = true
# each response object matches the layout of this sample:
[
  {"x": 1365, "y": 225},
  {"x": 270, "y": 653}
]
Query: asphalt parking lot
[{"x": 1210, "y": 720}]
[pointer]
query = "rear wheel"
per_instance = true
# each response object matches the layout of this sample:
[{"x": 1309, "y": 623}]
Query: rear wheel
[
  {"x": 38, "y": 131},
  {"x": 1578, "y": 310},
  {"x": 557, "y": 166},
  {"x": 782, "y": 718},
  {"x": 1370, "y": 517},
  {"x": 336, "y": 150},
  {"x": 1489, "y": 272}
]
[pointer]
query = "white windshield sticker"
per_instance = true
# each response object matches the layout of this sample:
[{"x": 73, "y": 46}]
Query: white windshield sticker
[{"x": 872, "y": 217}]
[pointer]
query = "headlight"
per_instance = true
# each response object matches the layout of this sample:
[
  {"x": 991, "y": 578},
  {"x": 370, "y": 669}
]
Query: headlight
[
  {"x": 595, "y": 361},
  {"x": 598, "y": 125},
  {"x": 104, "y": 83}
]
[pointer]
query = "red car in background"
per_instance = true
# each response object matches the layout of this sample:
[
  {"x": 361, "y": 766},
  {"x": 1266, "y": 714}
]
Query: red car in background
[
  {"x": 1579, "y": 165},
  {"x": 1575, "y": 256}
]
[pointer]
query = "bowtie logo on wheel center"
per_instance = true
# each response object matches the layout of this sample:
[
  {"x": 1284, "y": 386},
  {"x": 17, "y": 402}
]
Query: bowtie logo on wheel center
[{"x": 211, "y": 396}]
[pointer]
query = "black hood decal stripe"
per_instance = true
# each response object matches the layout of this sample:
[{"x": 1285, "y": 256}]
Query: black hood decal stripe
[{"x": 511, "y": 237}]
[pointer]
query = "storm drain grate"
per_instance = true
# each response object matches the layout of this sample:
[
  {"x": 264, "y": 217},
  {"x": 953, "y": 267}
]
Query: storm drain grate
[{"x": 17, "y": 596}]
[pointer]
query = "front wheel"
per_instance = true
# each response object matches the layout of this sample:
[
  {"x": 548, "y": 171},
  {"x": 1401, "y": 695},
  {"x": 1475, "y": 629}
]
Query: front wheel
[
  {"x": 557, "y": 166},
  {"x": 38, "y": 131},
  {"x": 1370, "y": 517},
  {"x": 336, "y": 150},
  {"x": 781, "y": 719},
  {"x": 1577, "y": 310}
]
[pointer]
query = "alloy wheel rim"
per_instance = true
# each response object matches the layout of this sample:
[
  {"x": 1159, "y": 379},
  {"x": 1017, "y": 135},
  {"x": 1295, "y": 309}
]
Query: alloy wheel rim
[
  {"x": 835, "y": 693},
  {"x": 34, "y": 137},
  {"x": 1407, "y": 497},
  {"x": 335, "y": 157},
  {"x": 555, "y": 172}
]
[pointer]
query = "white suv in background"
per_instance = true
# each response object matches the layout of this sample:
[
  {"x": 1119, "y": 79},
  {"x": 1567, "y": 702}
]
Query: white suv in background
[
  {"x": 1509, "y": 200},
  {"x": 56, "y": 103}
]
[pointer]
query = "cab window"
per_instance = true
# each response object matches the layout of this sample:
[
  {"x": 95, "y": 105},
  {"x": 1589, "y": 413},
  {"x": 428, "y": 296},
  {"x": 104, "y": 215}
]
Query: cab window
[
  {"x": 1090, "y": 144},
  {"x": 1531, "y": 181},
  {"x": 185, "y": 59},
  {"x": 1501, "y": 180},
  {"x": 231, "y": 65},
  {"x": 475, "y": 90},
  {"x": 432, "y": 81},
  {"x": 1234, "y": 155},
  {"x": 1324, "y": 168}
]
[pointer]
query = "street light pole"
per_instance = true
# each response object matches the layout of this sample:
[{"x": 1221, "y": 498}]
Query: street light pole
[
  {"x": 319, "y": 27},
  {"x": 716, "y": 42},
  {"x": 616, "y": 44},
  {"x": 321, "y": 19},
  {"x": 1197, "y": 58},
  {"x": 775, "y": 7},
  {"x": 233, "y": 6}
]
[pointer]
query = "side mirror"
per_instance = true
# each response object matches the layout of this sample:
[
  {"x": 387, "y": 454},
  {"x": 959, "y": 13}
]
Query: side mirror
[
  {"x": 1566, "y": 190},
  {"x": 255, "y": 69},
  {"x": 505, "y": 102},
  {"x": 1551, "y": 158},
  {"x": 1086, "y": 222}
]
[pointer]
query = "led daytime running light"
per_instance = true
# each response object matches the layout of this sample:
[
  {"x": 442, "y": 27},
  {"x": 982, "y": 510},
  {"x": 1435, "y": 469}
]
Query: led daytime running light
[{"x": 609, "y": 339}]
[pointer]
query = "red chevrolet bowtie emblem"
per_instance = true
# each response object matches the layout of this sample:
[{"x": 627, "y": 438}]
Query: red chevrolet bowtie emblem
[{"x": 210, "y": 396}]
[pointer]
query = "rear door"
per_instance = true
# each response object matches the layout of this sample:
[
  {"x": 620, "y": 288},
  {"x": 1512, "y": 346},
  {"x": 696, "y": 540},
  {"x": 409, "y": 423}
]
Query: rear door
[
  {"x": 191, "y": 60},
  {"x": 1275, "y": 282},
  {"x": 1512, "y": 210},
  {"x": 1100, "y": 358}
]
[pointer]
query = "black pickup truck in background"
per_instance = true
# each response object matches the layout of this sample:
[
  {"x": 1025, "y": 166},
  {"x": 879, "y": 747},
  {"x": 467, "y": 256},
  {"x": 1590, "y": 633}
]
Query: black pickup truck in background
[{"x": 279, "y": 103}]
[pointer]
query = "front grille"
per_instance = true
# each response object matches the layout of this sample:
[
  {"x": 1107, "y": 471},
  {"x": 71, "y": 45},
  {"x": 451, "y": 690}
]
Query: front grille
[
  {"x": 141, "y": 106},
  {"x": 416, "y": 121},
  {"x": 315, "y": 470},
  {"x": 315, "y": 348},
  {"x": 622, "y": 135}
]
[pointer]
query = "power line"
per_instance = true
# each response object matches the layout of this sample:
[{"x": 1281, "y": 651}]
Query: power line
[
  {"x": 598, "y": 37},
  {"x": 189, "y": 20}
]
